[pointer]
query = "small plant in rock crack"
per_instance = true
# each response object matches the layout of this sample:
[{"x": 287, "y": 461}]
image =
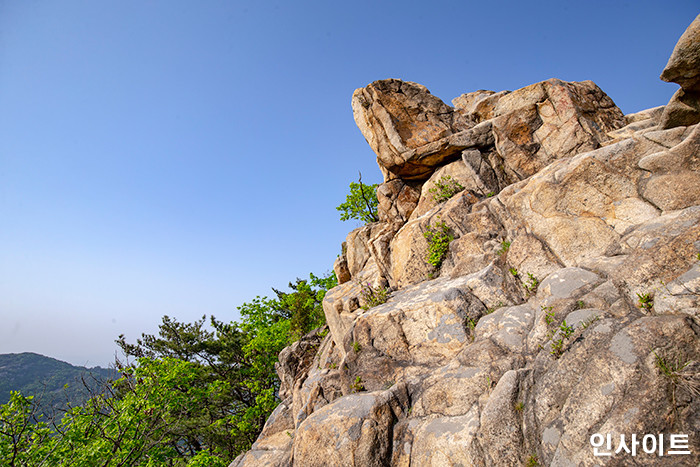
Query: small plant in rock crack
[
  {"x": 372, "y": 296},
  {"x": 439, "y": 239},
  {"x": 513, "y": 272},
  {"x": 532, "y": 461},
  {"x": 565, "y": 329},
  {"x": 356, "y": 347},
  {"x": 557, "y": 345},
  {"x": 357, "y": 386},
  {"x": 645, "y": 301},
  {"x": 580, "y": 305},
  {"x": 549, "y": 314},
  {"x": 504, "y": 248},
  {"x": 332, "y": 365},
  {"x": 531, "y": 284},
  {"x": 680, "y": 373},
  {"x": 519, "y": 406},
  {"x": 471, "y": 325},
  {"x": 490, "y": 194},
  {"x": 589, "y": 321},
  {"x": 494, "y": 308},
  {"x": 445, "y": 188}
]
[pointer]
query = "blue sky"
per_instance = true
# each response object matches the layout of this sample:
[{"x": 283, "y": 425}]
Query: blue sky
[{"x": 180, "y": 158}]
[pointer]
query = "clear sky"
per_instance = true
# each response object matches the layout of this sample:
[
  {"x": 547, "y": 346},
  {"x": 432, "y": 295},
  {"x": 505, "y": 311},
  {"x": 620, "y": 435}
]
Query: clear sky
[{"x": 182, "y": 157}]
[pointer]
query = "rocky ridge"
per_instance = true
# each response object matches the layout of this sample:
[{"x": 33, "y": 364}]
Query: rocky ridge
[{"x": 567, "y": 304}]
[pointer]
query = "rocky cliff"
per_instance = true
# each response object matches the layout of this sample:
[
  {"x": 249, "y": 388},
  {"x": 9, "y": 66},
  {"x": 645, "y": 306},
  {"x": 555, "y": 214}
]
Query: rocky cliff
[{"x": 564, "y": 309}]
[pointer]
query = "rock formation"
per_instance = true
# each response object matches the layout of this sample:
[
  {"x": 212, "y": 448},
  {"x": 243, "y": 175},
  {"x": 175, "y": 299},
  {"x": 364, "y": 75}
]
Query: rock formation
[{"x": 567, "y": 304}]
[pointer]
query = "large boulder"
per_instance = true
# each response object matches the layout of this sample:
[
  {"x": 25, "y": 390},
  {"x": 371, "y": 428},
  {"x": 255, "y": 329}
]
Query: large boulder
[
  {"x": 550, "y": 120},
  {"x": 409, "y": 129},
  {"x": 683, "y": 67}
]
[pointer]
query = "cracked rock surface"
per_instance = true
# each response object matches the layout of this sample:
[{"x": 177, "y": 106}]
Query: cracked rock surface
[{"x": 567, "y": 303}]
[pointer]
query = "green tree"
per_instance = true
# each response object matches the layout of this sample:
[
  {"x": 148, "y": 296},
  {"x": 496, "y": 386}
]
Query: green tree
[
  {"x": 196, "y": 394},
  {"x": 361, "y": 203}
]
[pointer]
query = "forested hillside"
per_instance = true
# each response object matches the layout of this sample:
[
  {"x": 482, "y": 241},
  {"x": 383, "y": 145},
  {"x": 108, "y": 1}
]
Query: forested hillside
[{"x": 53, "y": 382}]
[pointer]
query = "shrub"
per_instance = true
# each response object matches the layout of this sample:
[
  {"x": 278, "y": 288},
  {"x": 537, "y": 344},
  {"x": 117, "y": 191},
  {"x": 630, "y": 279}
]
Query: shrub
[
  {"x": 439, "y": 239},
  {"x": 361, "y": 203},
  {"x": 373, "y": 296},
  {"x": 445, "y": 188}
]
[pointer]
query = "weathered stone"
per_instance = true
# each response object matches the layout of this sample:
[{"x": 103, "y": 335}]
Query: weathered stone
[
  {"x": 353, "y": 430},
  {"x": 294, "y": 361},
  {"x": 478, "y": 105},
  {"x": 675, "y": 175},
  {"x": 396, "y": 116},
  {"x": 397, "y": 200},
  {"x": 340, "y": 267},
  {"x": 652, "y": 114},
  {"x": 532, "y": 336},
  {"x": 553, "y": 119},
  {"x": 682, "y": 110},
  {"x": 458, "y": 173},
  {"x": 419, "y": 163},
  {"x": 409, "y": 248},
  {"x": 684, "y": 65}
]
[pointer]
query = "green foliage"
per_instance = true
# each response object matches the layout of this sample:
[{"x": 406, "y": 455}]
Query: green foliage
[
  {"x": 304, "y": 304},
  {"x": 589, "y": 321},
  {"x": 360, "y": 204},
  {"x": 557, "y": 345},
  {"x": 645, "y": 301},
  {"x": 371, "y": 296},
  {"x": 137, "y": 422},
  {"x": 196, "y": 395},
  {"x": 504, "y": 248},
  {"x": 439, "y": 239},
  {"x": 532, "y": 461},
  {"x": 549, "y": 314},
  {"x": 445, "y": 188},
  {"x": 471, "y": 325},
  {"x": 519, "y": 406},
  {"x": 53, "y": 383},
  {"x": 357, "y": 385},
  {"x": 513, "y": 272},
  {"x": 679, "y": 371},
  {"x": 356, "y": 347},
  {"x": 531, "y": 284}
]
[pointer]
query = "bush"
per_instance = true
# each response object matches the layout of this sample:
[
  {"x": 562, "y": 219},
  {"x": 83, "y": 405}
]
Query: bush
[
  {"x": 373, "y": 296},
  {"x": 445, "y": 188},
  {"x": 439, "y": 239},
  {"x": 360, "y": 204}
]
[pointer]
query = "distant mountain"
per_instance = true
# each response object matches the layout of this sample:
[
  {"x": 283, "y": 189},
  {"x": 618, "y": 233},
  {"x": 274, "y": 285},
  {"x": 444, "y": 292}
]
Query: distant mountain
[{"x": 53, "y": 383}]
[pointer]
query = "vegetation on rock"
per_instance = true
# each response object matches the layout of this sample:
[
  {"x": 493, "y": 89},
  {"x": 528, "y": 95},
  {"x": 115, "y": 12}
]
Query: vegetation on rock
[
  {"x": 445, "y": 188},
  {"x": 361, "y": 203},
  {"x": 439, "y": 238}
]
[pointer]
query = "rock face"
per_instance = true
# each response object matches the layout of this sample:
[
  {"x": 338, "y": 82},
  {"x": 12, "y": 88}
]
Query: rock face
[
  {"x": 567, "y": 303},
  {"x": 684, "y": 68}
]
